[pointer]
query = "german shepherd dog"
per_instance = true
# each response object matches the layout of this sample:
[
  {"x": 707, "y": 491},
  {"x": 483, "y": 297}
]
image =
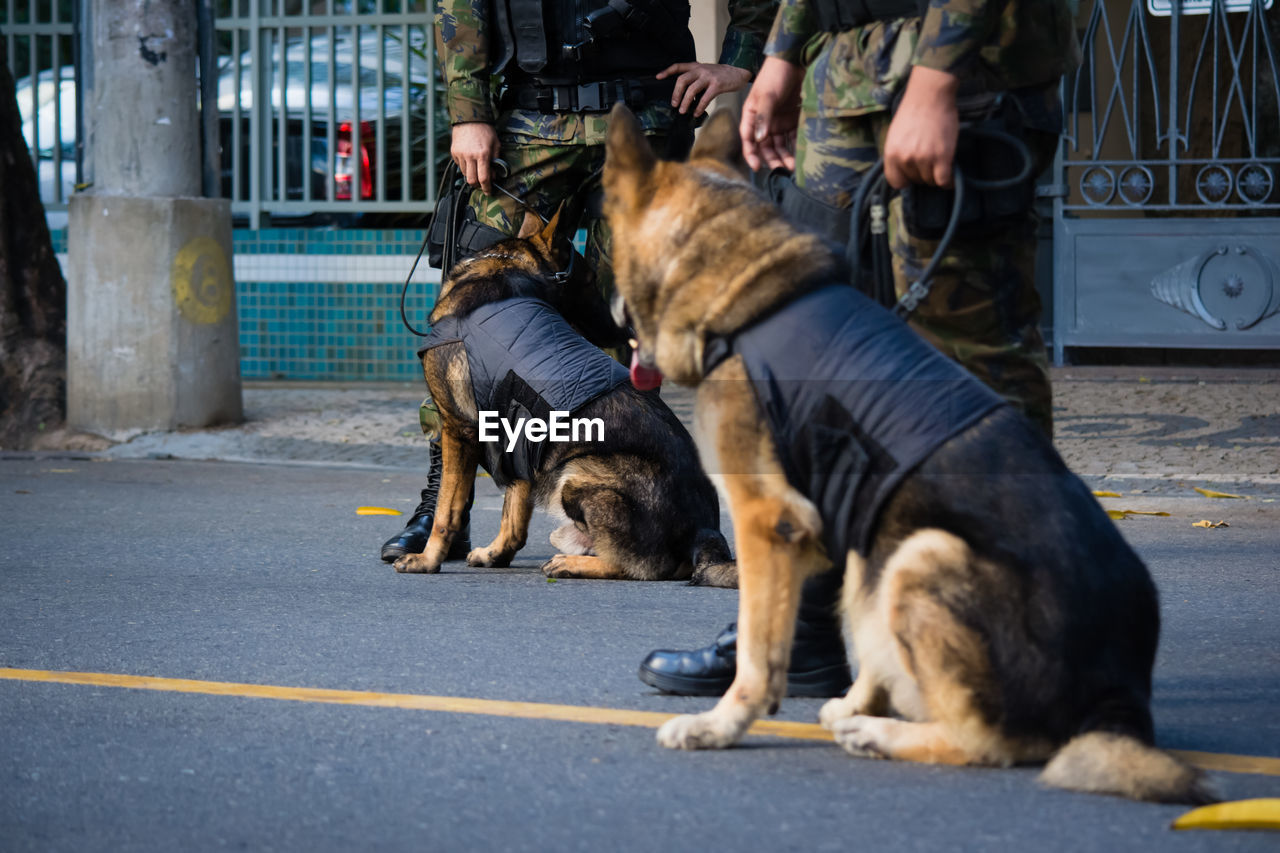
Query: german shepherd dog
[
  {"x": 636, "y": 502},
  {"x": 995, "y": 613}
]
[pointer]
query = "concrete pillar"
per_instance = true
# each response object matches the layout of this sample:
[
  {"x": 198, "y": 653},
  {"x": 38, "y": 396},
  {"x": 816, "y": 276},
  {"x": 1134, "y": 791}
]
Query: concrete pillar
[{"x": 152, "y": 337}]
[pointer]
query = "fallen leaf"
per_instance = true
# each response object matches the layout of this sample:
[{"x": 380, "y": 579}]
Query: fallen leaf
[
  {"x": 551, "y": 580},
  {"x": 1207, "y": 523},
  {"x": 1107, "y": 495},
  {"x": 1210, "y": 493},
  {"x": 1125, "y": 513},
  {"x": 377, "y": 510},
  {"x": 1263, "y": 813}
]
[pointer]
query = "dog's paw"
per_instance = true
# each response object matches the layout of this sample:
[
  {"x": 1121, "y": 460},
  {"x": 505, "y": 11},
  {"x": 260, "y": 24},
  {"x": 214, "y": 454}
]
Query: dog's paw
[
  {"x": 416, "y": 564},
  {"x": 489, "y": 557},
  {"x": 861, "y": 736},
  {"x": 697, "y": 731},
  {"x": 835, "y": 710},
  {"x": 557, "y": 567}
]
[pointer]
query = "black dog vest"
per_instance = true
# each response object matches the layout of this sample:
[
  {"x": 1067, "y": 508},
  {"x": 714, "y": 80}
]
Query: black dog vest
[
  {"x": 526, "y": 361},
  {"x": 854, "y": 399}
]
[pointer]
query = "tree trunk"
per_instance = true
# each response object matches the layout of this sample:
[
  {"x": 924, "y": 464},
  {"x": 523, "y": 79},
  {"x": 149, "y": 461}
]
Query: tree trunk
[{"x": 33, "y": 294}]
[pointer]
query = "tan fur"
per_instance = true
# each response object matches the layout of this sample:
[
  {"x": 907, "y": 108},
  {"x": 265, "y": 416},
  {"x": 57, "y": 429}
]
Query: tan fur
[
  {"x": 912, "y": 648},
  {"x": 778, "y": 532},
  {"x": 517, "y": 507},
  {"x": 1105, "y": 763},
  {"x": 583, "y": 566},
  {"x": 458, "y": 474}
]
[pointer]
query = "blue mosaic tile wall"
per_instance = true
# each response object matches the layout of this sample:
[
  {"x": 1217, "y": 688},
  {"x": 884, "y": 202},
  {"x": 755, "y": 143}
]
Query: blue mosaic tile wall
[{"x": 318, "y": 304}]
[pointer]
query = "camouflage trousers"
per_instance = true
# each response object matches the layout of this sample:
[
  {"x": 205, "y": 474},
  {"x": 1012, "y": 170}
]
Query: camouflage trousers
[
  {"x": 545, "y": 174},
  {"x": 983, "y": 309}
]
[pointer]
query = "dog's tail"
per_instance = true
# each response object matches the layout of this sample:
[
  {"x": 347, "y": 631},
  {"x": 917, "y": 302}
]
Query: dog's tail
[
  {"x": 1102, "y": 762},
  {"x": 713, "y": 565}
]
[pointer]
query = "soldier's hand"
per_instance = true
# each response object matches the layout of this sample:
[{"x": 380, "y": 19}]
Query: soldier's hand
[
  {"x": 921, "y": 142},
  {"x": 771, "y": 115},
  {"x": 473, "y": 146},
  {"x": 703, "y": 78}
]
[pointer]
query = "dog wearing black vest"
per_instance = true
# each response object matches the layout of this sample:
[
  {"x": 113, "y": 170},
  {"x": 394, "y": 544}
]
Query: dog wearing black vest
[
  {"x": 507, "y": 346},
  {"x": 995, "y": 613}
]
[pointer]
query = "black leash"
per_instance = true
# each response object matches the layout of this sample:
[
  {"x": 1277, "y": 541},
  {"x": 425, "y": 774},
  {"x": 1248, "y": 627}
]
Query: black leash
[{"x": 874, "y": 187}]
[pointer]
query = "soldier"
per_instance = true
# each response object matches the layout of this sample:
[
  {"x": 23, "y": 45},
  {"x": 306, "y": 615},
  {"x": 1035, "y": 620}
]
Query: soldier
[
  {"x": 834, "y": 72},
  {"x": 562, "y": 67}
]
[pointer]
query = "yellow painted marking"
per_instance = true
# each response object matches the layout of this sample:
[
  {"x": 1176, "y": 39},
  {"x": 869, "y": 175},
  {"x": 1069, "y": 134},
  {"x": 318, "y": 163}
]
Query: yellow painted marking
[
  {"x": 1241, "y": 814},
  {"x": 201, "y": 279},
  {"x": 1210, "y": 493},
  {"x": 377, "y": 510},
  {"x": 521, "y": 710}
]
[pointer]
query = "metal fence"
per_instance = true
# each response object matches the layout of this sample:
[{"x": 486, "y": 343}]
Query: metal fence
[
  {"x": 327, "y": 109},
  {"x": 40, "y": 38},
  {"x": 1167, "y": 208},
  {"x": 1176, "y": 108}
]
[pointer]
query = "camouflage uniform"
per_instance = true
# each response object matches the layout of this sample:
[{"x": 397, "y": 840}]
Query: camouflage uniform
[
  {"x": 983, "y": 309},
  {"x": 553, "y": 156}
]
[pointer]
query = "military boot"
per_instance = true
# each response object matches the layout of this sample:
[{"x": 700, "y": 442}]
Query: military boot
[
  {"x": 413, "y": 539},
  {"x": 819, "y": 666}
]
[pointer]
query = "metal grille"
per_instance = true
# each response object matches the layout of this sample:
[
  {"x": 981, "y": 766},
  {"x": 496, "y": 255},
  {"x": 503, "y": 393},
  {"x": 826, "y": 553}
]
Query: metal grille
[
  {"x": 1166, "y": 231},
  {"x": 40, "y": 40},
  {"x": 331, "y": 112},
  {"x": 1175, "y": 108}
]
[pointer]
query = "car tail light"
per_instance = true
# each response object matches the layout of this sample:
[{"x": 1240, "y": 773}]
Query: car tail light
[{"x": 342, "y": 167}]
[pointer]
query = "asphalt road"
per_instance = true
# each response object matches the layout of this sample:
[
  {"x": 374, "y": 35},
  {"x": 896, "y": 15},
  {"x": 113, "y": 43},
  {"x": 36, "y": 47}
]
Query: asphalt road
[{"x": 265, "y": 575}]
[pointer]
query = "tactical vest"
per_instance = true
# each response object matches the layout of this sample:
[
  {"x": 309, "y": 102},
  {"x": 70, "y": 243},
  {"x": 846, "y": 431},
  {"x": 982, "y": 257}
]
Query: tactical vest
[
  {"x": 854, "y": 400},
  {"x": 526, "y": 361},
  {"x": 553, "y": 42}
]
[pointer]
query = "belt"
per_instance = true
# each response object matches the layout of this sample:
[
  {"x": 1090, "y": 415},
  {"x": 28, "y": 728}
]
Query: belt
[
  {"x": 596, "y": 97},
  {"x": 839, "y": 15}
]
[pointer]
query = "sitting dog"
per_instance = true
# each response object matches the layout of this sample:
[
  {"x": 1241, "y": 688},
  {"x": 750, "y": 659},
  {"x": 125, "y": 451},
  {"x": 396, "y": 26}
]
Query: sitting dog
[
  {"x": 636, "y": 503},
  {"x": 996, "y": 614}
]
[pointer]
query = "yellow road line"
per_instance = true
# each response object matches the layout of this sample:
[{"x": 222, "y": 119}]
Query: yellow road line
[{"x": 499, "y": 708}]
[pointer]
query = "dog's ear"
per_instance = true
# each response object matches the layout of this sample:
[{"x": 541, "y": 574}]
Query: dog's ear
[
  {"x": 531, "y": 225},
  {"x": 626, "y": 149},
  {"x": 565, "y": 222},
  {"x": 719, "y": 140},
  {"x": 547, "y": 233}
]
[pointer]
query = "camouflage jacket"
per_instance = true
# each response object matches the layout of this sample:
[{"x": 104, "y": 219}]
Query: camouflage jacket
[
  {"x": 462, "y": 45},
  {"x": 1005, "y": 45}
]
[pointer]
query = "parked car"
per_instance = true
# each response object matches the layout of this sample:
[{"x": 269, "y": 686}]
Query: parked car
[
  {"x": 307, "y": 157},
  {"x": 41, "y": 133}
]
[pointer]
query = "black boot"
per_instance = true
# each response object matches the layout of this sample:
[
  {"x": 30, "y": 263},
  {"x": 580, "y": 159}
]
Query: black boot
[
  {"x": 413, "y": 539},
  {"x": 819, "y": 667}
]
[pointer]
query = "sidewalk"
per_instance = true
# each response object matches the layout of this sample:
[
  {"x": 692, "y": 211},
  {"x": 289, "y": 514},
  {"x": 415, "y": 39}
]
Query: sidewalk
[{"x": 1158, "y": 431}]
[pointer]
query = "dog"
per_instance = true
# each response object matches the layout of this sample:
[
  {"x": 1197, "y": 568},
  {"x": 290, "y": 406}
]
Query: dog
[
  {"x": 995, "y": 613},
  {"x": 636, "y": 503}
]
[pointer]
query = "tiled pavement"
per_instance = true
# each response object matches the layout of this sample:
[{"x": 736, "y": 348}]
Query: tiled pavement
[{"x": 1154, "y": 430}]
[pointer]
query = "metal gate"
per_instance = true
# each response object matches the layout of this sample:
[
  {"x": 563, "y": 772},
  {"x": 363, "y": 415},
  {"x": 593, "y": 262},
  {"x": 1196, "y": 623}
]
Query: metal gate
[
  {"x": 327, "y": 108},
  {"x": 1167, "y": 209}
]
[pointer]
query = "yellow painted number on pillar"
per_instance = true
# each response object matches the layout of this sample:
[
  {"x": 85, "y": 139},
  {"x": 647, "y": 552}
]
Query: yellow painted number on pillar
[{"x": 202, "y": 285}]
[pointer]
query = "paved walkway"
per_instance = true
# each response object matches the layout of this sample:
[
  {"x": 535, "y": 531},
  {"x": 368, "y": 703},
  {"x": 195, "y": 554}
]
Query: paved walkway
[{"x": 1154, "y": 429}]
